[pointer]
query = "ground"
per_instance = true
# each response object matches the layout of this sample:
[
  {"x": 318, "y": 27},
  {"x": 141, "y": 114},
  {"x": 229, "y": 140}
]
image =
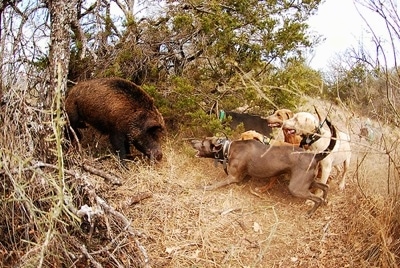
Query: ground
[{"x": 181, "y": 225}]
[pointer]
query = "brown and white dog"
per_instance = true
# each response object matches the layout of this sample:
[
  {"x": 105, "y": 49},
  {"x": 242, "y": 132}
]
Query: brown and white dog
[
  {"x": 254, "y": 135},
  {"x": 276, "y": 121},
  {"x": 317, "y": 138},
  {"x": 251, "y": 158}
]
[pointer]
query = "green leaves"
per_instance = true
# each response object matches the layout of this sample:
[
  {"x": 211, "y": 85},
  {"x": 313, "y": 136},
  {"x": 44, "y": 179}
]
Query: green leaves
[{"x": 235, "y": 52}]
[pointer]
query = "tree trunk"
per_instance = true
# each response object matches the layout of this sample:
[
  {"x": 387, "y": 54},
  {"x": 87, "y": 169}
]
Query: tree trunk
[{"x": 62, "y": 14}]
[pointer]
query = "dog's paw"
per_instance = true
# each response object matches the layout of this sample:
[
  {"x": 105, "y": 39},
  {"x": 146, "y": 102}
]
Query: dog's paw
[
  {"x": 309, "y": 203},
  {"x": 208, "y": 187},
  {"x": 205, "y": 187},
  {"x": 256, "y": 192},
  {"x": 342, "y": 186}
]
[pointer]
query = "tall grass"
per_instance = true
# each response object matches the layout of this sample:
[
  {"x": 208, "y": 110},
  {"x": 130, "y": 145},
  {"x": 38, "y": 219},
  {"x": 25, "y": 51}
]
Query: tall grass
[
  {"x": 51, "y": 215},
  {"x": 375, "y": 224}
]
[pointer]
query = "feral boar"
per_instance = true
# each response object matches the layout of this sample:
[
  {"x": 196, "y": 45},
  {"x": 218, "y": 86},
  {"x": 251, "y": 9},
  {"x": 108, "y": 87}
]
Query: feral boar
[{"x": 121, "y": 109}]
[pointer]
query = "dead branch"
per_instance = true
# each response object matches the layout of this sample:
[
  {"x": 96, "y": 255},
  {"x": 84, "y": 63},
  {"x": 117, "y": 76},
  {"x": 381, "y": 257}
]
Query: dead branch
[
  {"x": 127, "y": 224},
  {"x": 90, "y": 257},
  {"x": 108, "y": 209},
  {"x": 111, "y": 178},
  {"x": 135, "y": 199}
]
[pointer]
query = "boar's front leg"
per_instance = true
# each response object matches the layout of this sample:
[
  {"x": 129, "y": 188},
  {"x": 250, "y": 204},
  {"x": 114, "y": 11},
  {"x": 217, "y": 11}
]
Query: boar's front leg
[{"x": 120, "y": 144}]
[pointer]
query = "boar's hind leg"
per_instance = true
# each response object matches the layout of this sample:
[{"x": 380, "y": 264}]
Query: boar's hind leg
[{"x": 120, "y": 144}]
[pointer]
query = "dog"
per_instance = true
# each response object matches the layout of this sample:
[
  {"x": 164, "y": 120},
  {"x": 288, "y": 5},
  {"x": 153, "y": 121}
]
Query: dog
[
  {"x": 276, "y": 121},
  {"x": 317, "y": 138},
  {"x": 366, "y": 131},
  {"x": 249, "y": 121},
  {"x": 250, "y": 158},
  {"x": 254, "y": 135}
]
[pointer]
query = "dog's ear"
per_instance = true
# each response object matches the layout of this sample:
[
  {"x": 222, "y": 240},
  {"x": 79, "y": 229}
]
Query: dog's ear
[
  {"x": 214, "y": 140},
  {"x": 319, "y": 116},
  {"x": 289, "y": 114}
]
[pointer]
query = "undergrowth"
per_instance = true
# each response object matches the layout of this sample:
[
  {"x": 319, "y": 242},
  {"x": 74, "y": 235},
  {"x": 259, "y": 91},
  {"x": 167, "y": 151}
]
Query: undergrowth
[{"x": 54, "y": 214}]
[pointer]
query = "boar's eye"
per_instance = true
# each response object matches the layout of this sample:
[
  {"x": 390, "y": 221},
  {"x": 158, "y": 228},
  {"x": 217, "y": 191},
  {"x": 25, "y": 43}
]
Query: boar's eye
[{"x": 155, "y": 131}]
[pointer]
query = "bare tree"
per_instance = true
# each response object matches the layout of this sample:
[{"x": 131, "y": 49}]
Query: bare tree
[
  {"x": 62, "y": 15},
  {"x": 385, "y": 56}
]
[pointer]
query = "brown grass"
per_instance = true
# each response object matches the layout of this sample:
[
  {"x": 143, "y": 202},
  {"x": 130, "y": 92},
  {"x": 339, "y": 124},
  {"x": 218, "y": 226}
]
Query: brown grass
[{"x": 177, "y": 224}]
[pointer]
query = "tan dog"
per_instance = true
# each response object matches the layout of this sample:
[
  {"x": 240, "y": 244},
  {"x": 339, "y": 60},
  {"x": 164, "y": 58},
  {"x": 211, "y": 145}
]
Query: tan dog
[
  {"x": 317, "y": 138},
  {"x": 276, "y": 121},
  {"x": 250, "y": 158},
  {"x": 254, "y": 135}
]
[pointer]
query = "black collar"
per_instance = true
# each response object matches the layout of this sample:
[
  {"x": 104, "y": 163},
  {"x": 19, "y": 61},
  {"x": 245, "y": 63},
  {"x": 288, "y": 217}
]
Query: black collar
[
  {"x": 311, "y": 138},
  {"x": 221, "y": 156}
]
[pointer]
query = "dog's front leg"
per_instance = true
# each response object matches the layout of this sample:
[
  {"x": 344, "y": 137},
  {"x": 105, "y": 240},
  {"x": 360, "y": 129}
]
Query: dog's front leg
[
  {"x": 230, "y": 179},
  {"x": 323, "y": 187},
  {"x": 318, "y": 201}
]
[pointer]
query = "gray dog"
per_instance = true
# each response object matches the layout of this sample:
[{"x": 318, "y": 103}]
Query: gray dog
[{"x": 245, "y": 158}]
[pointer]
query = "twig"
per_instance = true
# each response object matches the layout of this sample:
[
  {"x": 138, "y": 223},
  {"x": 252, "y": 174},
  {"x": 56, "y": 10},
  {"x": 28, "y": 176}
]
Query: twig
[
  {"x": 135, "y": 199},
  {"x": 90, "y": 257},
  {"x": 114, "y": 180},
  {"x": 108, "y": 177},
  {"x": 127, "y": 224},
  {"x": 72, "y": 131},
  {"x": 325, "y": 230}
]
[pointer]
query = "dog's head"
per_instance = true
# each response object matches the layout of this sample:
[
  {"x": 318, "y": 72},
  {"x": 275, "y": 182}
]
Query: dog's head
[
  {"x": 301, "y": 123},
  {"x": 207, "y": 147},
  {"x": 277, "y": 118}
]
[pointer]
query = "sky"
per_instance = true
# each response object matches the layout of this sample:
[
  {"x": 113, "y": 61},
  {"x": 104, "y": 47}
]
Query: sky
[{"x": 343, "y": 28}]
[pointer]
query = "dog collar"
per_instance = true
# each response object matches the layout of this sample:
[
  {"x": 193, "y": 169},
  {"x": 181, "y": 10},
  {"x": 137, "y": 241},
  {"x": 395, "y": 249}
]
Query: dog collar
[
  {"x": 222, "y": 115},
  {"x": 222, "y": 155},
  {"x": 311, "y": 138},
  {"x": 266, "y": 140}
]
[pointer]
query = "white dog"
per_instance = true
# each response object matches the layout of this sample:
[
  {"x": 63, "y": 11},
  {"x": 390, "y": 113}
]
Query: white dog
[{"x": 317, "y": 139}]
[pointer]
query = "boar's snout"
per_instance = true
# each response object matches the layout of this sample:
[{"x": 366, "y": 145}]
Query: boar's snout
[{"x": 156, "y": 154}]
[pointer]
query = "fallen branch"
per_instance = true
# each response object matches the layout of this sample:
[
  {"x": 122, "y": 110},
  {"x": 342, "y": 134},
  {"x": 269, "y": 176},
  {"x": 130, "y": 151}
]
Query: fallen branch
[
  {"x": 135, "y": 199},
  {"x": 90, "y": 190},
  {"x": 109, "y": 209},
  {"x": 90, "y": 257},
  {"x": 114, "y": 180},
  {"x": 127, "y": 224}
]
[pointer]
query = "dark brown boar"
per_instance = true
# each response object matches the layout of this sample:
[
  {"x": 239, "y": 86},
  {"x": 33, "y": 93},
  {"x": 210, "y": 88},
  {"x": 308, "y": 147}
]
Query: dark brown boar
[{"x": 121, "y": 109}]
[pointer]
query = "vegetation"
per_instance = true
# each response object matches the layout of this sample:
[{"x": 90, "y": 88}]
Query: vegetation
[{"x": 66, "y": 206}]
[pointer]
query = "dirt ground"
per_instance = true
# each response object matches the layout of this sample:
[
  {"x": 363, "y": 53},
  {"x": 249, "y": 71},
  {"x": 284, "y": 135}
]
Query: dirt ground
[{"x": 181, "y": 225}]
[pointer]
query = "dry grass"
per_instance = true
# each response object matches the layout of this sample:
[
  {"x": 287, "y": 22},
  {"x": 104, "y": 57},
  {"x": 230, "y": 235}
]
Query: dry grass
[{"x": 177, "y": 224}]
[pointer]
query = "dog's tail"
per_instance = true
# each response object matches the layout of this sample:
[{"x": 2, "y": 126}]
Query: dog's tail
[{"x": 332, "y": 143}]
